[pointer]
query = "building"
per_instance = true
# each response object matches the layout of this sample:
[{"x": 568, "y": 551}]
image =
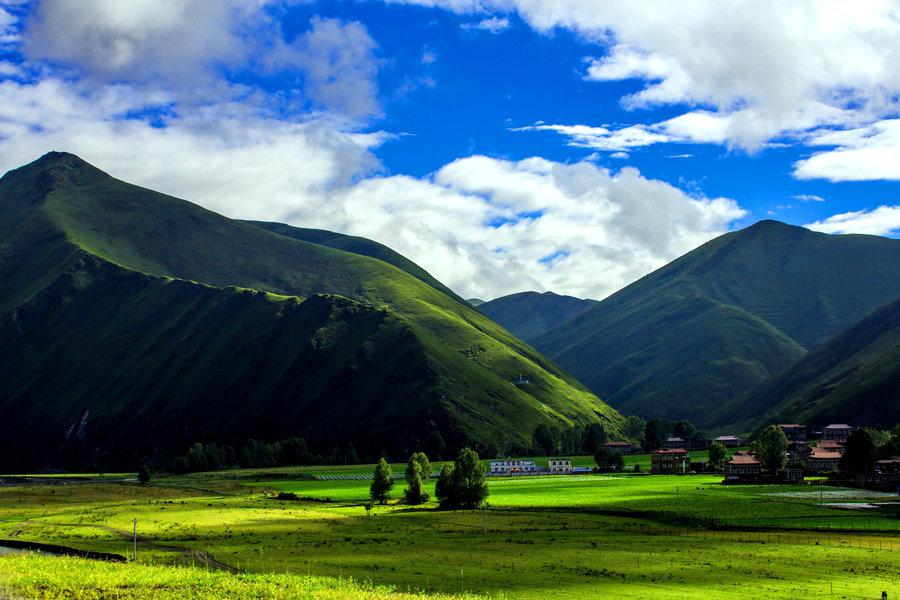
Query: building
[
  {"x": 888, "y": 466},
  {"x": 560, "y": 466},
  {"x": 797, "y": 452},
  {"x": 794, "y": 432},
  {"x": 729, "y": 441},
  {"x": 513, "y": 467},
  {"x": 621, "y": 447},
  {"x": 667, "y": 461},
  {"x": 582, "y": 470},
  {"x": 830, "y": 446},
  {"x": 838, "y": 433},
  {"x": 823, "y": 461},
  {"x": 673, "y": 443},
  {"x": 742, "y": 468}
]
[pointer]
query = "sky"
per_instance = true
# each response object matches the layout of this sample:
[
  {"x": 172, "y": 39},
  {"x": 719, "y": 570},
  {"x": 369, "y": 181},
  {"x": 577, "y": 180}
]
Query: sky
[{"x": 504, "y": 145}]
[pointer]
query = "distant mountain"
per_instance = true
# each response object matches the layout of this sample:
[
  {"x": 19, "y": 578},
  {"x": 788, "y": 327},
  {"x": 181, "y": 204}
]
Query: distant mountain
[
  {"x": 529, "y": 314},
  {"x": 853, "y": 378},
  {"x": 133, "y": 324},
  {"x": 475, "y": 301},
  {"x": 725, "y": 318}
]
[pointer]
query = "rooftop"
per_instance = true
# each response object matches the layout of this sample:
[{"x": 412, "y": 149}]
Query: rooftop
[
  {"x": 671, "y": 451},
  {"x": 839, "y": 426},
  {"x": 743, "y": 459},
  {"x": 824, "y": 454}
]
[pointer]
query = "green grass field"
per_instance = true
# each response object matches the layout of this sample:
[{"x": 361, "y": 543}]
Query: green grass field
[{"x": 623, "y": 536}]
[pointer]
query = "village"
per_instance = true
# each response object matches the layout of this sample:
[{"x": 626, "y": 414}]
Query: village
[{"x": 805, "y": 454}]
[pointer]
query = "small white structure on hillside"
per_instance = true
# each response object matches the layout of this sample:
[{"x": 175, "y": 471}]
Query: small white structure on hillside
[{"x": 560, "y": 466}]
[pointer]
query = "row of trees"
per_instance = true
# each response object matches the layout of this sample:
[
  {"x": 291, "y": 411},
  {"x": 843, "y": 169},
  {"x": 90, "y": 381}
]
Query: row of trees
[
  {"x": 460, "y": 485},
  {"x": 255, "y": 454}
]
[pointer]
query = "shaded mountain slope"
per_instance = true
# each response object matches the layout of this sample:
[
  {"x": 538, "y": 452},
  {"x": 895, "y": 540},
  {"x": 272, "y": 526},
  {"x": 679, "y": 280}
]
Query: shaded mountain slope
[
  {"x": 800, "y": 287},
  {"x": 135, "y": 314},
  {"x": 529, "y": 314},
  {"x": 853, "y": 378}
]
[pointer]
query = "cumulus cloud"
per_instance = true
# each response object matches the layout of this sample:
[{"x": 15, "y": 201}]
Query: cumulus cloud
[
  {"x": 492, "y": 24},
  {"x": 884, "y": 220},
  {"x": 337, "y": 61},
  {"x": 859, "y": 154}
]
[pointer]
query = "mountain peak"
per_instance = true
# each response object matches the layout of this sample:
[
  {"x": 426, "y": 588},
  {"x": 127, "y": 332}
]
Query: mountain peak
[{"x": 55, "y": 169}]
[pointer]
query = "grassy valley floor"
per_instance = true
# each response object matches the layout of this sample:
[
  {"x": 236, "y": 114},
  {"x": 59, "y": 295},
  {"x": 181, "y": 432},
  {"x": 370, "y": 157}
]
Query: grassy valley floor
[{"x": 616, "y": 536}]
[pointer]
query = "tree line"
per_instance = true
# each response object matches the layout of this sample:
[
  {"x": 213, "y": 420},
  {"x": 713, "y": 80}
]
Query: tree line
[
  {"x": 256, "y": 454},
  {"x": 460, "y": 485}
]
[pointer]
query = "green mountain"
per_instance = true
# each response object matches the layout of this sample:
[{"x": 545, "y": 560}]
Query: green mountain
[
  {"x": 725, "y": 318},
  {"x": 133, "y": 324},
  {"x": 853, "y": 378},
  {"x": 529, "y": 314}
]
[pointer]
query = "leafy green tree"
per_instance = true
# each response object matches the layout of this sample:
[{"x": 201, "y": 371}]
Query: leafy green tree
[
  {"x": 655, "y": 433},
  {"x": 417, "y": 470},
  {"x": 717, "y": 455},
  {"x": 144, "y": 475},
  {"x": 593, "y": 438},
  {"x": 616, "y": 461},
  {"x": 860, "y": 451},
  {"x": 771, "y": 448},
  {"x": 382, "y": 483},
  {"x": 602, "y": 458},
  {"x": 634, "y": 428},
  {"x": 443, "y": 484},
  {"x": 544, "y": 440},
  {"x": 688, "y": 431},
  {"x": 637, "y": 467},
  {"x": 466, "y": 486}
]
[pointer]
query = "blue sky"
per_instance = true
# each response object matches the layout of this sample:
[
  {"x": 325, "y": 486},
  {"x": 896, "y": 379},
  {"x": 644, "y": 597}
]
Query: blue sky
[{"x": 503, "y": 144}]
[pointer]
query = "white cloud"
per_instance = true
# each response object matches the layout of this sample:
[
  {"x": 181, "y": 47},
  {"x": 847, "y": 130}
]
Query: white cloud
[
  {"x": 884, "y": 220},
  {"x": 602, "y": 138},
  {"x": 492, "y": 24},
  {"x": 809, "y": 198},
  {"x": 864, "y": 153},
  {"x": 338, "y": 63}
]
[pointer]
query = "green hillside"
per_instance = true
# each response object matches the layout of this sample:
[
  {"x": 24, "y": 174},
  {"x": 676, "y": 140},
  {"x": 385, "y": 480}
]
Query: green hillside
[
  {"x": 724, "y": 318},
  {"x": 357, "y": 245},
  {"x": 529, "y": 314},
  {"x": 854, "y": 378},
  {"x": 141, "y": 323}
]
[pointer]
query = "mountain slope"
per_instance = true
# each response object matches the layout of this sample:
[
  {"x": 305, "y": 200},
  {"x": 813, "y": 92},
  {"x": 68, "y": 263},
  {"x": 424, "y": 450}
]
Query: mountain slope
[
  {"x": 853, "y": 378},
  {"x": 529, "y": 314},
  {"x": 799, "y": 287},
  {"x": 357, "y": 245},
  {"x": 141, "y": 323}
]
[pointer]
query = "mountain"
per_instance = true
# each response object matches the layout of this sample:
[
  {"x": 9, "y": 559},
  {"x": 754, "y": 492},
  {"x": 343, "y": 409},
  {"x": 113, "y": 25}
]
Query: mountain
[
  {"x": 529, "y": 314},
  {"x": 853, "y": 378},
  {"x": 724, "y": 318},
  {"x": 133, "y": 324},
  {"x": 357, "y": 245}
]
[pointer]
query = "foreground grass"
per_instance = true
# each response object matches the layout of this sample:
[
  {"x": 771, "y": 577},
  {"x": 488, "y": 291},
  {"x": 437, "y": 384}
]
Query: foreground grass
[
  {"x": 542, "y": 537},
  {"x": 36, "y": 576}
]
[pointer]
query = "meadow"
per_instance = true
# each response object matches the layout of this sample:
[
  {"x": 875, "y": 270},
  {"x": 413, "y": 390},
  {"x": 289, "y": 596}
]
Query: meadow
[{"x": 619, "y": 535}]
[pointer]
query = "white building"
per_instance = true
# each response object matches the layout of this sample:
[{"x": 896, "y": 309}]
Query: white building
[
  {"x": 512, "y": 466},
  {"x": 560, "y": 466}
]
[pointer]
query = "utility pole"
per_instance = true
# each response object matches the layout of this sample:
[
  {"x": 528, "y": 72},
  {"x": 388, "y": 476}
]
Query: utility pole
[{"x": 135, "y": 539}]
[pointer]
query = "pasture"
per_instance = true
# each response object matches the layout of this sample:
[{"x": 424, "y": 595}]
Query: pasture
[{"x": 623, "y": 536}]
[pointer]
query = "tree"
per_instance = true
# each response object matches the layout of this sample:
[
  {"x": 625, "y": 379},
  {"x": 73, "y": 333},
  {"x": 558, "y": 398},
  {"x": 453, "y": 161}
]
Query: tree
[
  {"x": 382, "y": 482},
  {"x": 616, "y": 461},
  {"x": 717, "y": 455},
  {"x": 593, "y": 438},
  {"x": 543, "y": 441},
  {"x": 144, "y": 475},
  {"x": 602, "y": 458},
  {"x": 443, "y": 483},
  {"x": 465, "y": 486},
  {"x": 634, "y": 428},
  {"x": 434, "y": 445},
  {"x": 771, "y": 448},
  {"x": 655, "y": 433},
  {"x": 860, "y": 451},
  {"x": 417, "y": 470},
  {"x": 687, "y": 431}
]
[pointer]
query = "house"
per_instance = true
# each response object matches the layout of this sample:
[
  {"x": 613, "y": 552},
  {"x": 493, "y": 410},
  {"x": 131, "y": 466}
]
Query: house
[
  {"x": 830, "y": 446},
  {"x": 823, "y": 461},
  {"x": 838, "y": 433},
  {"x": 742, "y": 468},
  {"x": 729, "y": 441},
  {"x": 888, "y": 466},
  {"x": 560, "y": 466},
  {"x": 794, "y": 432},
  {"x": 673, "y": 443},
  {"x": 513, "y": 467},
  {"x": 667, "y": 461},
  {"x": 621, "y": 447},
  {"x": 797, "y": 452}
]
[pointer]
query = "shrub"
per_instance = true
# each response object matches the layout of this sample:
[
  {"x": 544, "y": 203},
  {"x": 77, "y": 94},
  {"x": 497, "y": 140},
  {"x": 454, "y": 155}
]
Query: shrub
[{"x": 382, "y": 483}]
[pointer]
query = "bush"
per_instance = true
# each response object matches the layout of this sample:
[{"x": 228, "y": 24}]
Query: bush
[{"x": 382, "y": 483}]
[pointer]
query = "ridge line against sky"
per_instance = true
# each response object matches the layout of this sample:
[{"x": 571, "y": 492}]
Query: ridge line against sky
[{"x": 504, "y": 145}]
